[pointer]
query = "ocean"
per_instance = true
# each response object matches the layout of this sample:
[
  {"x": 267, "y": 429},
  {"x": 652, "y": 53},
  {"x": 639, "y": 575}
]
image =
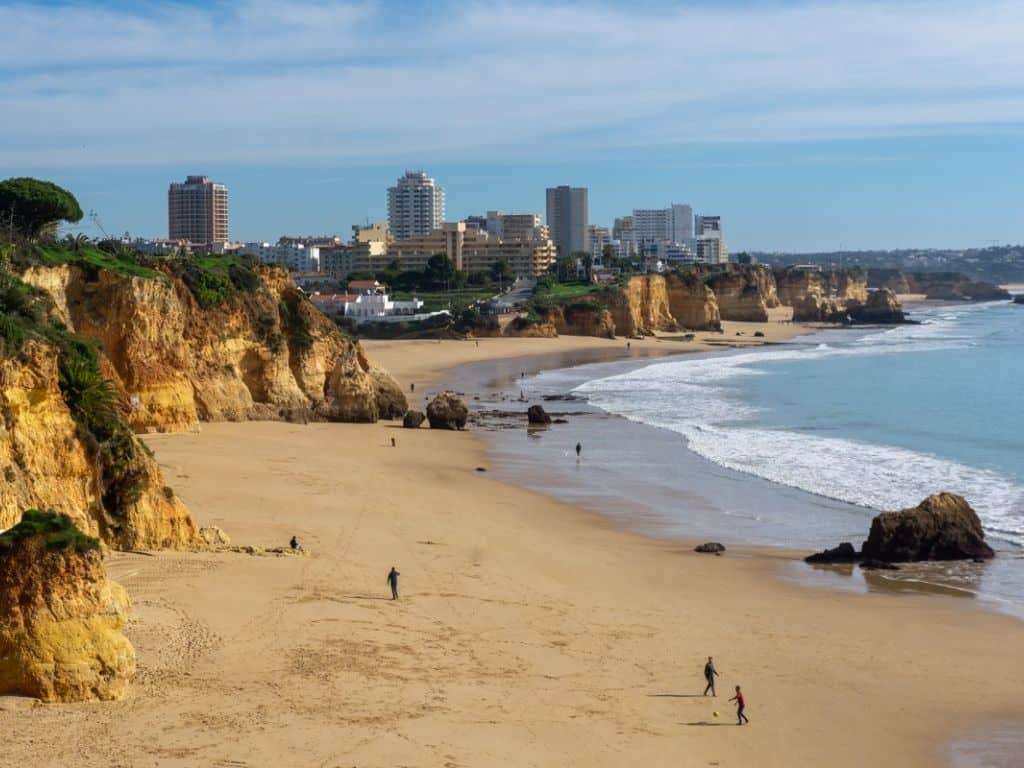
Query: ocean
[
  {"x": 879, "y": 420},
  {"x": 800, "y": 445}
]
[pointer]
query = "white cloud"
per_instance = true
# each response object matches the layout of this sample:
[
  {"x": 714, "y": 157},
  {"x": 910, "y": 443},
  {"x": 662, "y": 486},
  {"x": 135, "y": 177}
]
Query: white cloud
[{"x": 289, "y": 81}]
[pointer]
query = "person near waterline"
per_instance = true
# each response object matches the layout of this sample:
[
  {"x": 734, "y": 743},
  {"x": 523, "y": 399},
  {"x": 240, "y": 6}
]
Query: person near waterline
[
  {"x": 710, "y": 673},
  {"x": 740, "y": 705},
  {"x": 579, "y": 449},
  {"x": 393, "y": 582},
  {"x": 294, "y": 543}
]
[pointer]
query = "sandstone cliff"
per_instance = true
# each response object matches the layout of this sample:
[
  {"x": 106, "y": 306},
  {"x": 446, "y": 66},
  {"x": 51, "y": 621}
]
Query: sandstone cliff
[
  {"x": 263, "y": 352},
  {"x": 574, "y": 319},
  {"x": 692, "y": 303},
  {"x": 643, "y": 305},
  {"x": 109, "y": 485},
  {"x": 61, "y": 620},
  {"x": 881, "y": 307},
  {"x": 944, "y": 286},
  {"x": 744, "y": 294},
  {"x": 829, "y": 295}
]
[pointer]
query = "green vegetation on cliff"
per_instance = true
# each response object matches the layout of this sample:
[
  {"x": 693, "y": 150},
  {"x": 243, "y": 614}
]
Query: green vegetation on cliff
[
  {"x": 57, "y": 530},
  {"x": 25, "y": 314}
]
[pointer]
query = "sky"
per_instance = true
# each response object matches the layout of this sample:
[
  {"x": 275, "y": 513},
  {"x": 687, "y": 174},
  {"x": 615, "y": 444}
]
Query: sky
[{"x": 806, "y": 125}]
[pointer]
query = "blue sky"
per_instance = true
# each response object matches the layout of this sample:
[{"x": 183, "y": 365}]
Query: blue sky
[{"x": 806, "y": 125}]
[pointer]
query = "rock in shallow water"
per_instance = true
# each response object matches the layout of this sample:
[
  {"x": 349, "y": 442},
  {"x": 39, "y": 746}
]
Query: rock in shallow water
[
  {"x": 942, "y": 527},
  {"x": 711, "y": 548}
]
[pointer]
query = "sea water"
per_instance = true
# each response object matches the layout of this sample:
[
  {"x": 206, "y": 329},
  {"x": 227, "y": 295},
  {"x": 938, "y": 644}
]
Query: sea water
[{"x": 879, "y": 420}]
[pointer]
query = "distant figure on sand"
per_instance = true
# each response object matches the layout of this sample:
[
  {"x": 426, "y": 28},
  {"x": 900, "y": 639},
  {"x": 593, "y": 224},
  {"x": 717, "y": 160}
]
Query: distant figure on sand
[
  {"x": 740, "y": 704},
  {"x": 393, "y": 583},
  {"x": 296, "y": 547},
  {"x": 412, "y": 386},
  {"x": 709, "y": 674},
  {"x": 579, "y": 449},
  {"x": 628, "y": 345}
]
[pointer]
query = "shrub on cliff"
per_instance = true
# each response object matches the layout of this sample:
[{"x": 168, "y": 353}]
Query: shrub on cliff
[{"x": 57, "y": 530}]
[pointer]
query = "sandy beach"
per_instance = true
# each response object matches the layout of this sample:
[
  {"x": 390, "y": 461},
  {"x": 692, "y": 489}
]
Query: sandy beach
[{"x": 528, "y": 632}]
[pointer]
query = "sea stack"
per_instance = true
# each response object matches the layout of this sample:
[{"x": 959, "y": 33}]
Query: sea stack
[{"x": 61, "y": 619}]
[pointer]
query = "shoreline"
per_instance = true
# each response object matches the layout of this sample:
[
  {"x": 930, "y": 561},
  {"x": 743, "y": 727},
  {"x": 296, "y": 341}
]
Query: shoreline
[{"x": 529, "y": 631}]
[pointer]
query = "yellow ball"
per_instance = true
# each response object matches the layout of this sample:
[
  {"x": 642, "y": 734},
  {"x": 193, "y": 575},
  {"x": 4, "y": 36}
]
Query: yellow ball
[{"x": 715, "y": 714}]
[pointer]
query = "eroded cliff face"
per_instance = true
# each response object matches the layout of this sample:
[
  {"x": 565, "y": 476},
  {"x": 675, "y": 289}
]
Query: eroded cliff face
[
  {"x": 944, "y": 286},
  {"x": 642, "y": 306},
  {"x": 743, "y": 294},
  {"x": 692, "y": 303},
  {"x": 821, "y": 295},
  {"x": 50, "y": 462},
  {"x": 262, "y": 354},
  {"x": 580, "y": 319},
  {"x": 61, "y": 619}
]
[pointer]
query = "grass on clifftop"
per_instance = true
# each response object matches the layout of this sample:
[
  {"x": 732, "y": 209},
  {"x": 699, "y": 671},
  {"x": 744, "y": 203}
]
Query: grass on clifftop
[
  {"x": 57, "y": 530},
  {"x": 90, "y": 256},
  {"x": 215, "y": 279}
]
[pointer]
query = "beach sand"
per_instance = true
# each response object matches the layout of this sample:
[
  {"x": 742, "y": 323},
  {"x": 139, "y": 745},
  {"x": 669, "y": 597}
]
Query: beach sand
[{"x": 528, "y": 632}]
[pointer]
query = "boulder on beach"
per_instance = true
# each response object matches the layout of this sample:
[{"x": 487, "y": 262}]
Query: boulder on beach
[
  {"x": 447, "y": 411},
  {"x": 214, "y": 536},
  {"x": 1019, "y": 298},
  {"x": 413, "y": 419},
  {"x": 844, "y": 553},
  {"x": 942, "y": 527},
  {"x": 536, "y": 414},
  {"x": 711, "y": 548},
  {"x": 61, "y": 620}
]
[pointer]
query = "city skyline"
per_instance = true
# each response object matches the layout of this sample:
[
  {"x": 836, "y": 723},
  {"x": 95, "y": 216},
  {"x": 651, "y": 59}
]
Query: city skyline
[{"x": 807, "y": 125}]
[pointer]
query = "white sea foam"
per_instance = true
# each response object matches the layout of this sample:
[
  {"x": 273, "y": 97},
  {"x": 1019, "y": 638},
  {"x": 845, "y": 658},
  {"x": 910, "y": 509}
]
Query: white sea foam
[{"x": 693, "y": 397}]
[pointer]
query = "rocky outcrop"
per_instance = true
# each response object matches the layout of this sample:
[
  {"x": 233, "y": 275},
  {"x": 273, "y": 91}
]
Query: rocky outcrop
[
  {"x": 214, "y": 537},
  {"x": 447, "y": 411},
  {"x": 942, "y": 527},
  {"x": 844, "y": 553},
  {"x": 536, "y": 414},
  {"x": 521, "y": 327},
  {"x": 263, "y": 353},
  {"x": 581, "y": 318},
  {"x": 744, "y": 294},
  {"x": 944, "y": 286},
  {"x": 641, "y": 306},
  {"x": 61, "y": 619},
  {"x": 413, "y": 419},
  {"x": 821, "y": 295},
  {"x": 112, "y": 489},
  {"x": 710, "y": 548},
  {"x": 1019, "y": 298},
  {"x": 692, "y": 304},
  {"x": 881, "y": 308}
]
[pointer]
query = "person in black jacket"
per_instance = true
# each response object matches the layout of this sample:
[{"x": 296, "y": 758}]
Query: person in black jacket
[
  {"x": 393, "y": 582},
  {"x": 709, "y": 674}
]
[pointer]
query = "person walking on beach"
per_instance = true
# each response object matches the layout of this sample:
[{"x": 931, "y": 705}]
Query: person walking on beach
[
  {"x": 393, "y": 582},
  {"x": 412, "y": 386},
  {"x": 579, "y": 449},
  {"x": 710, "y": 673},
  {"x": 740, "y": 704}
]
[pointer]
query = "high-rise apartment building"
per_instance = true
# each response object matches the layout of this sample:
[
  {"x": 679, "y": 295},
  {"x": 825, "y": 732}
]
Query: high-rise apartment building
[
  {"x": 708, "y": 225},
  {"x": 197, "y": 211},
  {"x": 710, "y": 244},
  {"x": 663, "y": 225},
  {"x": 515, "y": 226},
  {"x": 415, "y": 206},
  {"x": 568, "y": 214},
  {"x": 597, "y": 239}
]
